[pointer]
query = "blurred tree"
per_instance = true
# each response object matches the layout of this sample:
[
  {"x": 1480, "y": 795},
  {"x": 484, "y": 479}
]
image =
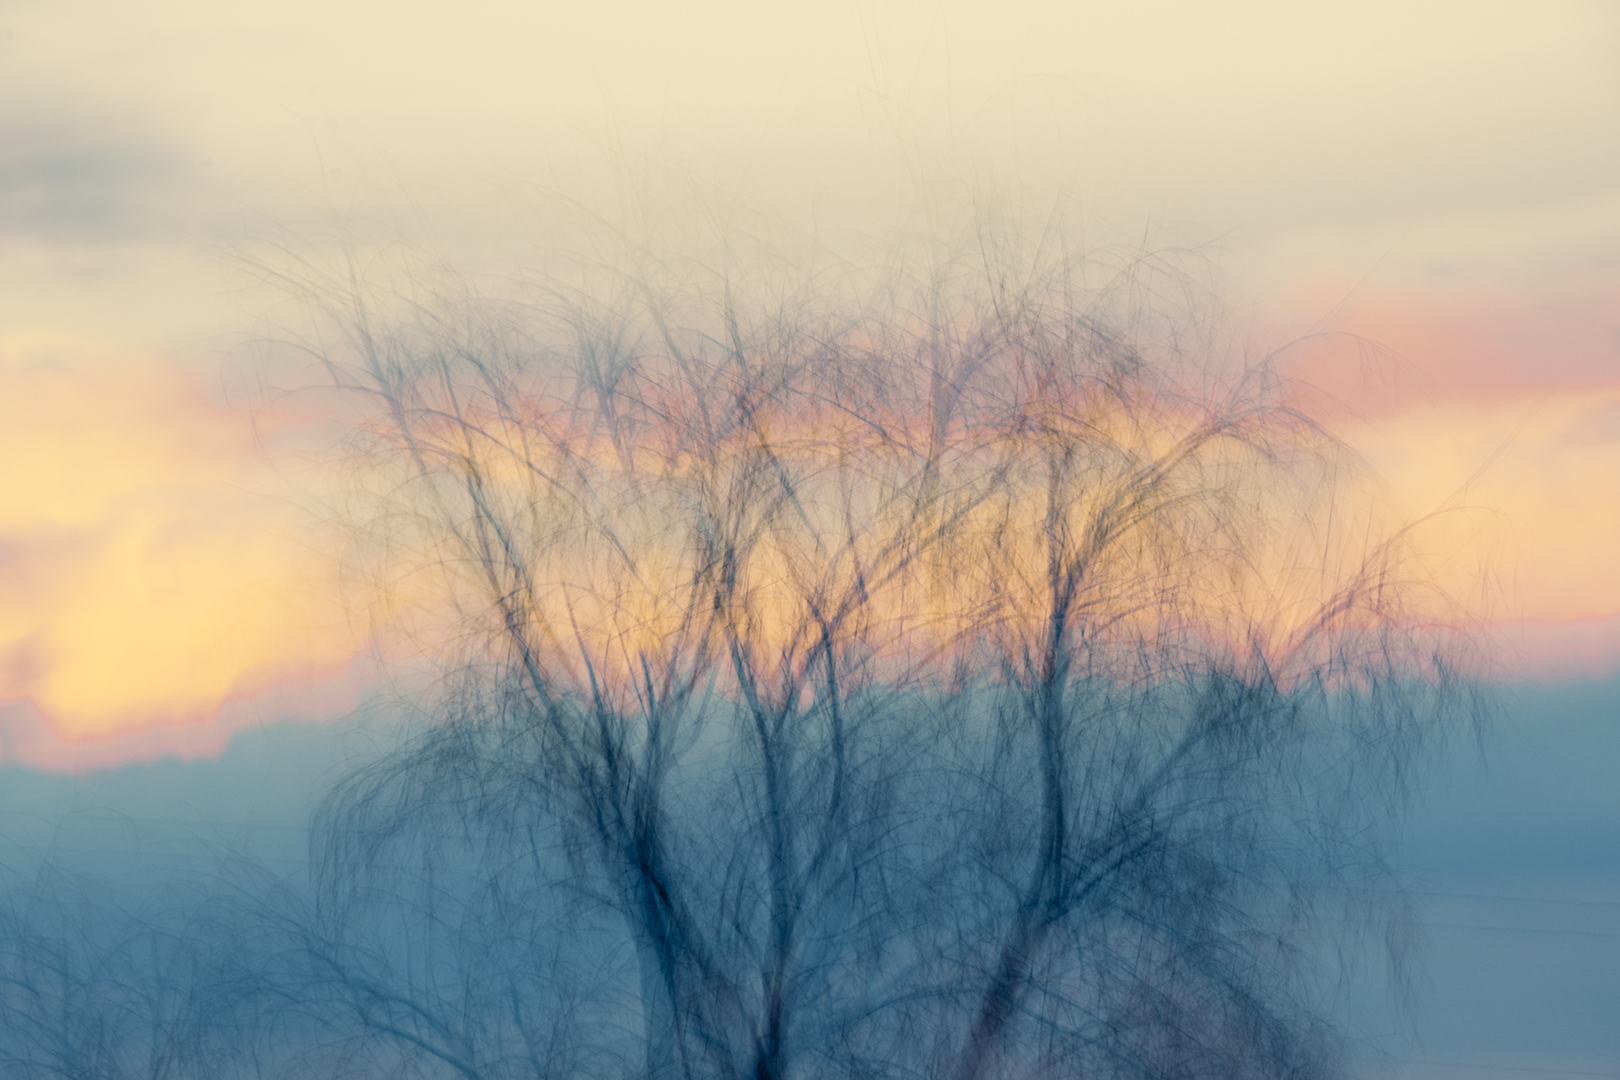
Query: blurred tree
[{"x": 964, "y": 677}]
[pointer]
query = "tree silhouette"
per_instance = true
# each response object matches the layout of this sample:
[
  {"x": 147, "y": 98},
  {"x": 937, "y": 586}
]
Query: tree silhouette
[{"x": 961, "y": 676}]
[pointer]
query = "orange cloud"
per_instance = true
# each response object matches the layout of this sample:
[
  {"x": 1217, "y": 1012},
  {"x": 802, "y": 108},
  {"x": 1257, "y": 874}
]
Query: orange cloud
[
  {"x": 151, "y": 575},
  {"x": 1506, "y": 405},
  {"x": 159, "y": 589}
]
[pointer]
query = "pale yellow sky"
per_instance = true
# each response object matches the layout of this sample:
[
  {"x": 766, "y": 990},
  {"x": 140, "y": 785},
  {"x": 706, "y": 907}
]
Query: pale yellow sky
[
  {"x": 1444, "y": 177},
  {"x": 1404, "y": 140}
]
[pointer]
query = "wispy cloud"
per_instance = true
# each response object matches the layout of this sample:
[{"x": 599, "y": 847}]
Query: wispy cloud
[{"x": 66, "y": 177}]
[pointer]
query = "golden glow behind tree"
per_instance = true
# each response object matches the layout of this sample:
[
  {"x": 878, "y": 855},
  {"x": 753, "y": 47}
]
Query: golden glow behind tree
[
  {"x": 973, "y": 677},
  {"x": 935, "y": 477}
]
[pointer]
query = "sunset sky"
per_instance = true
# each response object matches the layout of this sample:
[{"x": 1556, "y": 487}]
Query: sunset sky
[
  {"x": 1416, "y": 205},
  {"x": 1442, "y": 182}
]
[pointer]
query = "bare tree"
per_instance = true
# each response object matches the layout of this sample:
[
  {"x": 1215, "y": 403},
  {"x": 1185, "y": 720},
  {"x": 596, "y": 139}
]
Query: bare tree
[
  {"x": 975, "y": 678},
  {"x": 102, "y": 981},
  {"x": 152, "y": 972}
]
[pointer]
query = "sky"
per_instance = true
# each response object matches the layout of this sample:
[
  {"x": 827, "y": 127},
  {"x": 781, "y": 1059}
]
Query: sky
[
  {"x": 1427, "y": 194},
  {"x": 1429, "y": 179}
]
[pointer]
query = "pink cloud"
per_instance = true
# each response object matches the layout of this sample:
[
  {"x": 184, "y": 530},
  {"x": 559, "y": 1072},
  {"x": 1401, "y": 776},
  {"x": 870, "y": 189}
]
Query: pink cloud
[{"x": 1377, "y": 351}]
